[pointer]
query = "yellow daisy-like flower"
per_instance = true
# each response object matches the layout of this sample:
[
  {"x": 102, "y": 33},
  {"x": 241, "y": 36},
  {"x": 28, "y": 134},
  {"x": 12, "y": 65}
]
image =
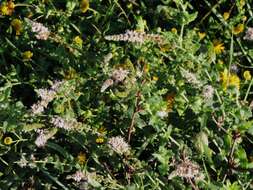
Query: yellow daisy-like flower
[
  {"x": 81, "y": 157},
  {"x": 84, "y": 5},
  {"x": 100, "y": 140},
  {"x": 27, "y": 55},
  {"x": 238, "y": 29},
  {"x": 218, "y": 47},
  {"x": 201, "y": 35},
  {"x": 17, "y": 25},
  {"x": 8, "y": 140},
  {"x": 174, "y": 30},
  {"x": 247, "y": 75},
  {"x": 229, "y": 79},
  {"x": 78, "y": 40},
  {"x": 4, "y": 9},
  {"x": 7, "y": 8}
]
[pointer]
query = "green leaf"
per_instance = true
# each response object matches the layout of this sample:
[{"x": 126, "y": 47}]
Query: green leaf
[
  {"x": 189, "y": 17},
  {"x": 54, "y": 179},
  {"x": 33, "y": 126},
  {"x": 57, "y": 148}
]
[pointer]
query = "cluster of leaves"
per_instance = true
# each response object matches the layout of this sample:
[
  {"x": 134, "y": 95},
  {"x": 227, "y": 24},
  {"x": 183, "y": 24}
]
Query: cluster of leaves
[{"x": 183, "y": 106}]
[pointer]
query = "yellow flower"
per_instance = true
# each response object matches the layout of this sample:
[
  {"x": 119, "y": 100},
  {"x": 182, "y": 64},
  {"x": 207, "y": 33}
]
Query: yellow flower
[
  {"x": 247, "y": 75},
  {"x": 244, "y": 18},
  {"x": 4, "y": 9},
  {"x": 100, "y": 140},
  {"x": 238, "y": 29},
  {"x": 146, "y": 68},
  {"x": 218, "y": 47},
  {"x": 226, "y": 15},
  {"x": 229, "y": 79},
  {"x": 155, "y": 78},
  {"x": 8, "y": 140},
  {"x": 242, "y": 3},
  {"x": 78, "y": 40},
  {"x": 201, "y": 35},
  {"x": 7, "y": 8},
  {"x": 174, "y": 30},
  {"x": 27, "y": 55},
  {"x": 84, "y": 5},
  {"x": 17, "y": 25},
  {"x": 81, "y": 157}
]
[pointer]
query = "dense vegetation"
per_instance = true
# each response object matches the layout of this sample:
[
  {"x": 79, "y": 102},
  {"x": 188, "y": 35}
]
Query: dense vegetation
[{"x": 130, "y": 94}]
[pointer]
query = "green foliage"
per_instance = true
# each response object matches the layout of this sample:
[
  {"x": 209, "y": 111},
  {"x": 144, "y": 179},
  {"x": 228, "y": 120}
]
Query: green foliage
[{"x": 104, "y": 94}]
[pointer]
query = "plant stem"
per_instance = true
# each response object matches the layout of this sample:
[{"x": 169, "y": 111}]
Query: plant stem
[
  {"x": 130, "y": 129},
  {"x": 248, "y": 90}
]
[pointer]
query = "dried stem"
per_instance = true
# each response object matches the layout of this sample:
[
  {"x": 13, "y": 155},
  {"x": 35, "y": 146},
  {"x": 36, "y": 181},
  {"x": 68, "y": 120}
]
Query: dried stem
[
  {"x": 192, "y": 184},
  {"x": 219, "y": 123},
  {"x": 136, "y": 110},
  {"x": 236, "y": 135}
]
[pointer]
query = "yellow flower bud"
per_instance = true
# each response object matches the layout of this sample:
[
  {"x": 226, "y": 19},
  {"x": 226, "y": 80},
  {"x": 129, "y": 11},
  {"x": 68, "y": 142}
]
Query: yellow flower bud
[
  {"x": 100, "y": 140},
  {"x": 174, "y": 30},
  {"x": 84, "y": 5},
  {"x": 17, "y": 25},
  {"x": 244, "y": 18},
  {"x": 81, "y": 158},
  {"x": 226, "y": 15},
  {"x": 78, "y": 40},
  {"x": 201, "y": 35},
  {"x": 247, "y": 75},
  {"x": 27, "y": 55},
  {"x": 155, "y": 78},
  {"x": 238, "y": 29}
]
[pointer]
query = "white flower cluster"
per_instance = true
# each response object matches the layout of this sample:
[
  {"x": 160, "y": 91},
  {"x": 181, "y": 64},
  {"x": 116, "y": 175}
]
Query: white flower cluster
[
  {"x": 190, "y": 78},
  {"x": 118, "y": 75},
  {"x": 187, "y": 169},
  {"x": 162, "y": 114},
  {"x": 67, "y": 124},
  {"x": 78, "y": 176},
  {"x": 119, "y": 145},
  {"x": 208, "y": 92},
  {"x": 41, "y": 32},
  {"x": 249, "y": 34},
  {"x": 136, "y": 37},
  {"x": 41, "y": 140},
  {"x": 46, "y": 95}
]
